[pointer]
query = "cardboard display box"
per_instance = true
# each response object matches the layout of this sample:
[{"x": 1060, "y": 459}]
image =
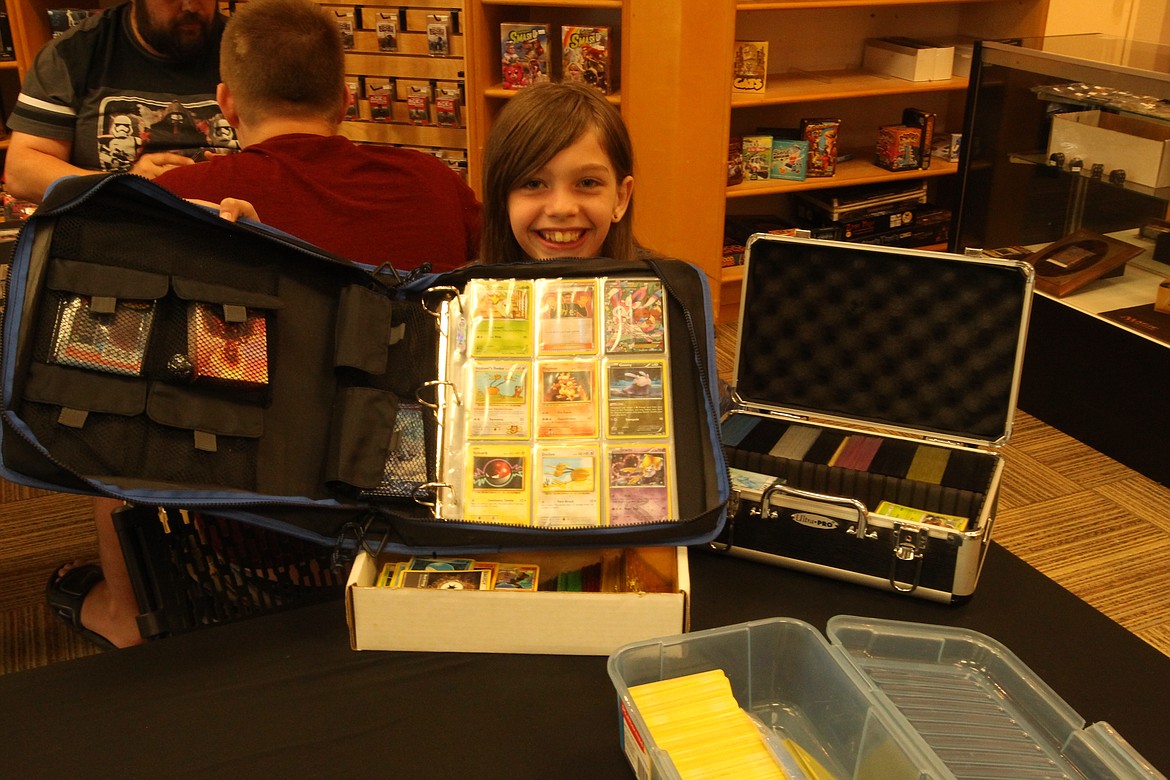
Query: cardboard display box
[
  {"x": 543, "y": 622},
  {"x": 1139, "y": 147},
  {"x": 910, "y": 59}
]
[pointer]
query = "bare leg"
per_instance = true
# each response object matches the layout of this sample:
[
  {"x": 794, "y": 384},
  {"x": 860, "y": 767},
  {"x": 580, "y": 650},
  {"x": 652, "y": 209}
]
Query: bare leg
[{"x": 111, "y": 609}]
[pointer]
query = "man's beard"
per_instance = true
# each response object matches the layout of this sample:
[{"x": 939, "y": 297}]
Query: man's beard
[{"x": 175, "y": 42}]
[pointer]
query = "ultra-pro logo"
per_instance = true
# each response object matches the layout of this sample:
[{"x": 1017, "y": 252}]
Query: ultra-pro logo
[{"x": 814, "y": 521}]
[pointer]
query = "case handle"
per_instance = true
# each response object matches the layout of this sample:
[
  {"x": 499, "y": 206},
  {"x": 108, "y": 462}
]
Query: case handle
[{"x": 814, "y": 500}]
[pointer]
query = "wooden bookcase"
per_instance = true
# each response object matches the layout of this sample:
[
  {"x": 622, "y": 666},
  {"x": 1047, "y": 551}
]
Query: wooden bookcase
[
  {"x": 676, "y": 99},
  {"x": 816, "y": 47}
]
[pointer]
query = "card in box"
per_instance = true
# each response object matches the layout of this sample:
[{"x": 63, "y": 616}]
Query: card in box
[
  {"x": 439, "y": 35},
  {"x": 386, "y": 30},
  {"x": 879, "y": 699},
  {"x": 1137, "y": 146},
  {"x": 541, "y": 622},
  {"x": 346, "y": 23},
  {"x": 900, "y": 370}
]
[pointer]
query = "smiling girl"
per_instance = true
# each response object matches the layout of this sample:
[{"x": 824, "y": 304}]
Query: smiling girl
[{"x": 558, "y": 178}]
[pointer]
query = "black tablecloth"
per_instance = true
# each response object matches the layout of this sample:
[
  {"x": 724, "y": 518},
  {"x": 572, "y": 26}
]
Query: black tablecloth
[{"x": 284, "y": 696}]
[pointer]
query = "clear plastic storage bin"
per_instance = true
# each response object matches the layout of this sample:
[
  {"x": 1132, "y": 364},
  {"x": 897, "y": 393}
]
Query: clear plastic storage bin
[{"x": 882, "y": 700}]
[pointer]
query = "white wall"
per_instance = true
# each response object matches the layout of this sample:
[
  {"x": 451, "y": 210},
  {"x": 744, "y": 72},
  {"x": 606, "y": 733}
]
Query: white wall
[{"x": 1143, "y": 20}]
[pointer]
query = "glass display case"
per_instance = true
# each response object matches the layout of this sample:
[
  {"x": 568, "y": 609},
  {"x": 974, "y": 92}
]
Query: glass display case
[
  {"x": 1067, "y": 137},
  {"x": 1041, "y": 114}
]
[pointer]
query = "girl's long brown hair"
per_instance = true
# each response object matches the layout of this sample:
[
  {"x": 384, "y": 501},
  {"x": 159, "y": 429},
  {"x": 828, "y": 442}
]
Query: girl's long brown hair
[{"x": 537, "y": 124}]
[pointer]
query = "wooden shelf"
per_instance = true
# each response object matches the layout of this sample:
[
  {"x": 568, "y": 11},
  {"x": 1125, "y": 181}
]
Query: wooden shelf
[
  {"x": 849, "y": 174},
  {"x": 410, "y": 135},
  {"x": 807, "y": 87},
  {"x": 802, "y": 5},
  {"x": 499, "y": 92},
  {"x": 559, "y": 3}
]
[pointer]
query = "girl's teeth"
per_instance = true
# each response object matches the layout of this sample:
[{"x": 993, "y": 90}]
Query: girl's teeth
[{"x": 562, "y": 236}]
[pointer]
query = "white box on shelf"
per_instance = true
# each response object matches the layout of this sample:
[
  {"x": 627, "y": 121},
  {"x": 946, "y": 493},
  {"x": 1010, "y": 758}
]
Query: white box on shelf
[
  {"x": 908, "y": 58},
  {"x": 964, "y": 46},
  {"x": 544, "y": 622},
  {"x": 1140, "y": 147}
]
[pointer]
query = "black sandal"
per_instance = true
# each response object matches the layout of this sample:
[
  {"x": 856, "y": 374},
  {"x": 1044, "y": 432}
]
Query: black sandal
[{"x": 66, "y": 593}]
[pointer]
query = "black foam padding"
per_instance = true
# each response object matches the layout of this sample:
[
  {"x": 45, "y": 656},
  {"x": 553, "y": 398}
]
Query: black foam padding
[{"x": 904, "y": 338}]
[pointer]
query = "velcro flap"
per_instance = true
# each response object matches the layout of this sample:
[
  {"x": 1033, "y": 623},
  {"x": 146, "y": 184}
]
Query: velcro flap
[
  {"x": 103, "y": 305},
  {"x": 363, "y": 423},
  {"x": 208, "y": 292},
  {"x": 363, "y": 315},
  {"x": 104, "y": 281},
  {"x": 181, "y": 407},
  {"x": 73, "y": 418},
  {"x": 234, "y": 313},
  {"x": 87, "y": 391}
]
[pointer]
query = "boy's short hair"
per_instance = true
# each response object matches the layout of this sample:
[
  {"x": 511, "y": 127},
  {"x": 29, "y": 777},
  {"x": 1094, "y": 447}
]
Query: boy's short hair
[
  {"x": 283, "y": 57},
  {"x": 539, "y": 122}
]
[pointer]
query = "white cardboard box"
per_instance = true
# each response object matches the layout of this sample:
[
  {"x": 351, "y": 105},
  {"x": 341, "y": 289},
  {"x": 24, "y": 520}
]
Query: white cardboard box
[
  {"x": 1139, "y": 147},
  {"x": 544, "y": 622},
  {"x": 907, "y": 59}
]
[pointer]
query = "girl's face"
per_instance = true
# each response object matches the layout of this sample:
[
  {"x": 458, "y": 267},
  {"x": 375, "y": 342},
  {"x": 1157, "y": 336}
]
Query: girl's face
[{"x": 566, "y": 208}]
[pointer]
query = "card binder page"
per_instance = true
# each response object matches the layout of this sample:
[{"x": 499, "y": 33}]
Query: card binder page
[{"x": 556, "y": 404}]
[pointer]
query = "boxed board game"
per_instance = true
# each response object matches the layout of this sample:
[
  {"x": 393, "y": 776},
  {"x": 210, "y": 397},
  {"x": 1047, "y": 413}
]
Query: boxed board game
[
  {"x": 899, "y": 148},
  {"x": 834, "y": 205},
  {"x": 757, "y": 157},
  {"x": 925, "y": 120},
  {"x": 646, "y": 595},
  {"x": 822, "y": 137},
  {"x": 789, "y": 159},
  {"x": 871, "y": 699},
  {"x": 524, "y": 54},
  {"x": 587, "y": 57},
  {"x": 750, "y": 70},
  {"x": 865, "y": 375}
]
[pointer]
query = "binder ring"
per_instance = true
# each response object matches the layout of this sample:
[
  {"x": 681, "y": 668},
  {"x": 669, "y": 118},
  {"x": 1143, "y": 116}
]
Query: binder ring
[
  {"x": 432, "y": 488},
  {"x": 451, "y": 292},
  {"x": 435, "y": 383}
]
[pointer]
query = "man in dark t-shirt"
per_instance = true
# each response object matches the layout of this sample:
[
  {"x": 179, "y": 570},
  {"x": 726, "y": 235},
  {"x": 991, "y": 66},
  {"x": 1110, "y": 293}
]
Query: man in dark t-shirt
[{"x": 129, "y": 89}]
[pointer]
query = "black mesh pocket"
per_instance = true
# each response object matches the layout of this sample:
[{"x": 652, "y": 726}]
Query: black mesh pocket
[
  {"x": 409, "y": 459},
  {"x": 92, "y": 423},
  {"x": 102, "y": 445},
  {"x": 412, "y": 359},
  {"x": 201, "y": 440},
  {"x": 96, "y": 318},
  {"x": 173, "y": 456}
]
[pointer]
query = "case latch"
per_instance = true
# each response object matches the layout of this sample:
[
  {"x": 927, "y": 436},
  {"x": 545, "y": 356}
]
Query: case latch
[{"x": 909, "y": 547}]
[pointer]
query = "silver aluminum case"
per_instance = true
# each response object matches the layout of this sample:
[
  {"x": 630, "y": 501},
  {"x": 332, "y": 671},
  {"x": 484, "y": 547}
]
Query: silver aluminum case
[{"x": 903, "y": 547}]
